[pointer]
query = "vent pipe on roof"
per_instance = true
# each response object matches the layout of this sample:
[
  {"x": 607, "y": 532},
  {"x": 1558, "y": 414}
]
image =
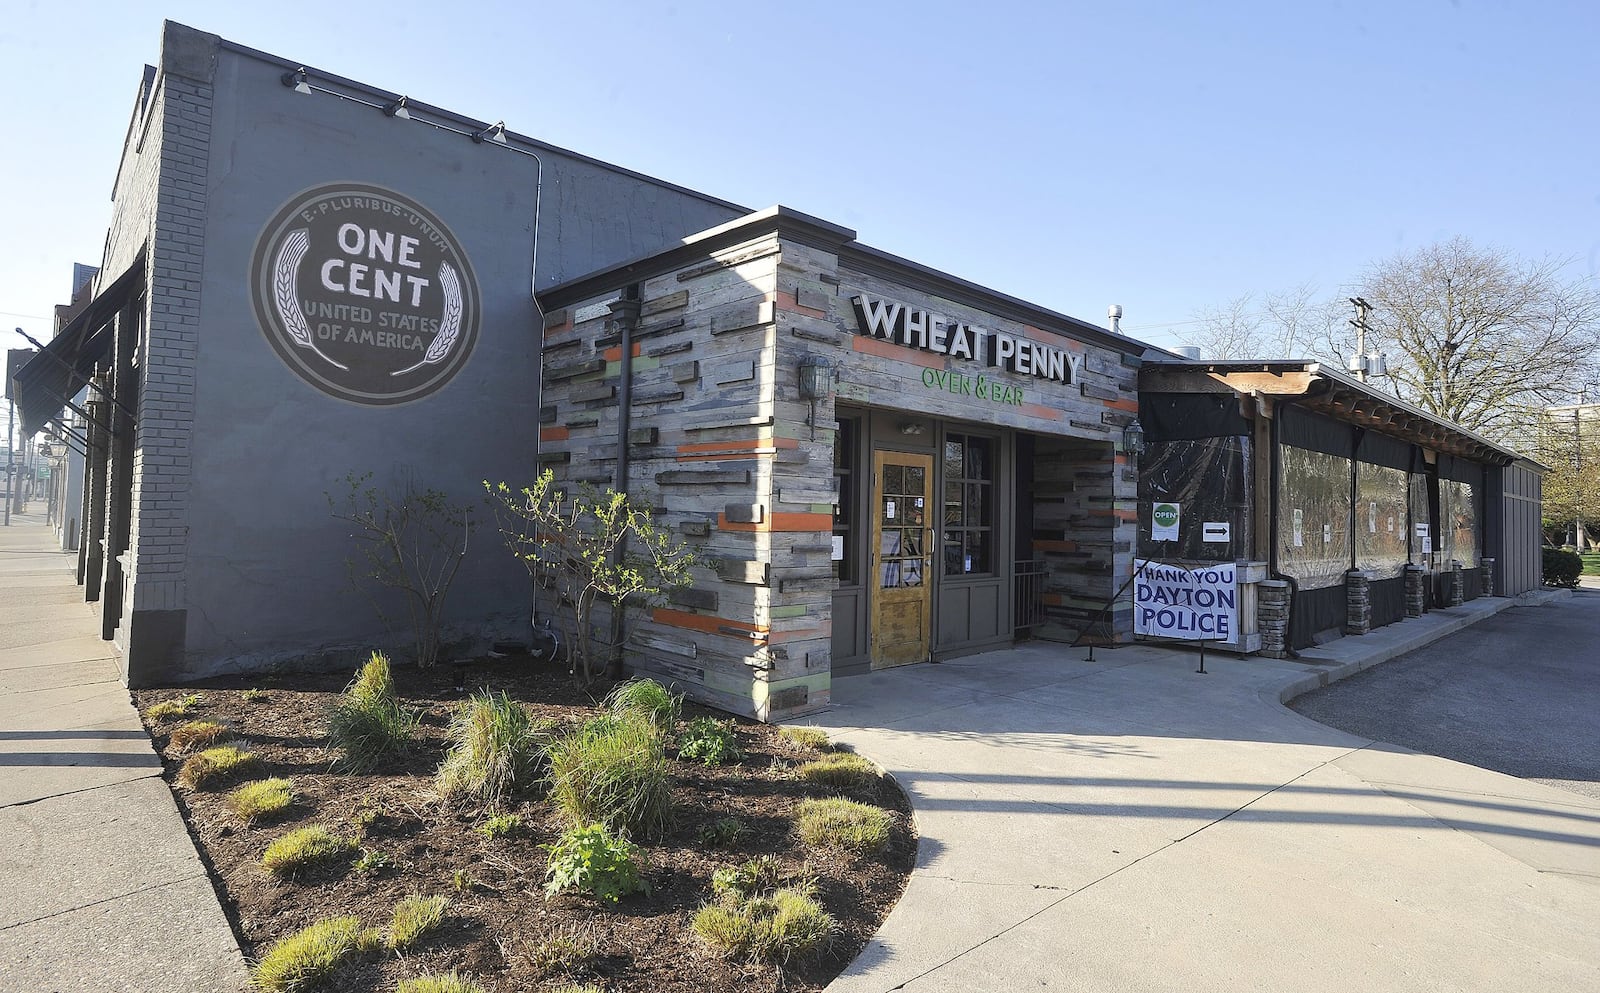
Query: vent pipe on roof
[
  {"x": 1190, "y": 352},
  {"x": 1115, "y": 313}
]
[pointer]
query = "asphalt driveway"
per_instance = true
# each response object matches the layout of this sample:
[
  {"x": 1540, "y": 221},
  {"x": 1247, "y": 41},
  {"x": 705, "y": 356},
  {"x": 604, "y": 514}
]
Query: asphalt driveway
[{"x": 1128, "y": 824}]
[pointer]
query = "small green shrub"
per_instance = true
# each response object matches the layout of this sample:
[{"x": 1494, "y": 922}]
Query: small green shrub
[
  {"x": 414, "y": 917},
  {"x": 372, "y": 861},
  {"x": 1562, "y": 568},
  {"x": 568, "y": 950},
  {"x": 776, "y": 928},
  {"x": 304, "y": 847},
  {"x": 255, "y": 696},
  {"x": 501, "y": 826},
  {"x": 173, "y": 708},
  {"x": 592, "y": 859},
  {"x": 840, "y": 771},
  {"x": 806, "y": 737},
  {"x": 649, "y": 699},
  {"x": 262, "y": 799},
  {"x": 214, "y": 765},
  {"x": 496, "y": 749},
  {"x": 747, "y": 879},
  {"x": 367, "y": 724},
  {"x": 839, "y": 823},
  {"x": 462, "y": 880},
  {"x": 722, "y": 832},
  {"x": 448, "y": 982},
  {"x": 709, "y": 741},
  {"x": 308, "y": 957},
  {"x": 198, "y": 735},
  {"x": 613, "y": 770}
]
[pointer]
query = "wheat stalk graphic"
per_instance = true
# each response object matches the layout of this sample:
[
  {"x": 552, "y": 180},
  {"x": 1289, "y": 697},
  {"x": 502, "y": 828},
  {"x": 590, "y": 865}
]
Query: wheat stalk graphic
[
  {"x": 283, "y": 278},
  {"x": 449, "y": 321}
]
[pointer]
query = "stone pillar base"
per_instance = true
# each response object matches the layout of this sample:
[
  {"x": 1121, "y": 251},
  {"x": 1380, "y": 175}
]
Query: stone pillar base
[
  {"x": 1488, "y": 577},
  {"x": 1357, "y": 602},
  {"x": 1456, "y": 585},
  {"x": 1416, "y": 591},
  {"x": 1272, "y": 618}
]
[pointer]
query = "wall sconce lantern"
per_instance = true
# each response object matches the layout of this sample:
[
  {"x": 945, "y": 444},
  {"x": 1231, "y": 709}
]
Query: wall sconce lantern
[
  {"x": 816, "y": 383},
  {"x": 1133, "y": 437},
  {"x": 296, "y": 80}
]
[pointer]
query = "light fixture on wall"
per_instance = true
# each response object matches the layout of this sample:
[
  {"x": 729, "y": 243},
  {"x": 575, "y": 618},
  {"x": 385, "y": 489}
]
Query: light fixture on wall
[
  {"x": 1133, "y": 437},
  {"x": 816, "y": 383},
  {"x": 397, "y": 109},
  {"x": 296, "y": 79},
  {"x": 912, "y": 427},
  {"x": 495, "y": 132}
]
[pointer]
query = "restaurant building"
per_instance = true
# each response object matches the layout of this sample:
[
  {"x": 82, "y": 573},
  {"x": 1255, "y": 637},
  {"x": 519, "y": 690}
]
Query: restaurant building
[{"x": 876, "y": 463}]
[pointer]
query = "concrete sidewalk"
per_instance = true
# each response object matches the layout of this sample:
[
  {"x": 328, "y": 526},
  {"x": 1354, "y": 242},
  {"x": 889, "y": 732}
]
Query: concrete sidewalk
[
  {"x": 1129, "y": 824},
  {"x": 104, "y": 890}
]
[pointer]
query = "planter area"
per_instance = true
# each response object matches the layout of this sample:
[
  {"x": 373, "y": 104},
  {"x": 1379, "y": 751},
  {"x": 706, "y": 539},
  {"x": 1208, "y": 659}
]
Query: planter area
[{"x": 458, "y": 884}]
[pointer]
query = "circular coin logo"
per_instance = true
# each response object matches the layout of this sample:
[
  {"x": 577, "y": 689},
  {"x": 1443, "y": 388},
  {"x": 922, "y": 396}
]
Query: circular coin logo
[{"x": 365, "y": 294}]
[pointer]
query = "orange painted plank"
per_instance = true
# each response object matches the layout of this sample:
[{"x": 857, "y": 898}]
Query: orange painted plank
[
  {"x": 614, "y": 353},
  {"x": 791, "y": 303},
  {"x": 1130, "y": 405},
  {"x": 553, "y": 434},
  {"x": 900, "y": 353},
  {"x": 1054, "y": 546},
  {"x": 797, "y": 521},
  {"x": 701, "y": 622},
  {"x": 738, "y": 444}
]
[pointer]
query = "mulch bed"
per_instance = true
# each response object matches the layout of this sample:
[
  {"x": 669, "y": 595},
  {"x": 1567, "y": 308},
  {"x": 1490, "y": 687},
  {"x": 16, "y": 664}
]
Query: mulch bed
[{"x": 499, "y": 912}]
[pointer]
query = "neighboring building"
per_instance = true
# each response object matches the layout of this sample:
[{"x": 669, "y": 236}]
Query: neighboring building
[{"x": 307, "y": 277}]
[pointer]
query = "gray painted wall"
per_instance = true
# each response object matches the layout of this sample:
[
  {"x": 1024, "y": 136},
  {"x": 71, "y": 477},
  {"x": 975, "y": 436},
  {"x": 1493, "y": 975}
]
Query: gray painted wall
[{"x": 264, "y": 574}]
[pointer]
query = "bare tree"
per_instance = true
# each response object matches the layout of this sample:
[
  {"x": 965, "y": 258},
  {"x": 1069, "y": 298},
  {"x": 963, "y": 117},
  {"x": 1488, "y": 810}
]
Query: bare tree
[
  {"x": 1477, "y": 336},
  {"x": 1292, "y": 324}
]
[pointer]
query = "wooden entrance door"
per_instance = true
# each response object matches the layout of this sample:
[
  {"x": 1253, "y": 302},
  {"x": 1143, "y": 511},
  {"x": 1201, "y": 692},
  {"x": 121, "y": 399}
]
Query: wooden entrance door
[{"x": 902, "y": 506}]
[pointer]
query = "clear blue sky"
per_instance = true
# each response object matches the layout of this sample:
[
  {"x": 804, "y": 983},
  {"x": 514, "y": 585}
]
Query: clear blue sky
[{"x": 1163, "y": 156}]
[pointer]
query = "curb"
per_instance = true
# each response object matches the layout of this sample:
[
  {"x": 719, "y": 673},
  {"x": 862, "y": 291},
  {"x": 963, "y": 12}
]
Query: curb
[{"x": 1336, "y": 671}]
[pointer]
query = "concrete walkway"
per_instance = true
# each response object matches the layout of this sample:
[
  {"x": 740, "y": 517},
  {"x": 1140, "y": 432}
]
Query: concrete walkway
[
  {"x": 104, "y": 890},
  {"x": 1128, "y": 824}
]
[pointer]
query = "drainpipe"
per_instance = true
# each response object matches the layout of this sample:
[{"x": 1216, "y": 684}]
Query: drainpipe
[{"x": 625, "y": 313}]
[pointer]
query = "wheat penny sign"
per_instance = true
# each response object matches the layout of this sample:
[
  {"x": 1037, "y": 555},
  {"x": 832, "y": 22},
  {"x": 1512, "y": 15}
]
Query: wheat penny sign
[{"x": 365, "y": 294}]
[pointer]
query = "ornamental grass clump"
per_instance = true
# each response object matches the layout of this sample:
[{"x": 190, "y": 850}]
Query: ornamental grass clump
[
  {"x": 839, "y": 823},
  {"x": 496, "y": 749},
  {"x": 172, "y": 708},
  {"x": 261, "y": 799},
  {"x": 206, "y": 769},
  {"x": 414, "y": 917},
  {"x": 303, "y": 848},
  {"x": 449, "y": 982},
  {"x": 567, "y": 950},
  {"x": 198, "y": 735},
  {"x": 806, "y": 737},
  {"x": 307, "y": 958},
  {"x": 614, "y": 771},
  {"x": 776, "y": 928},
  {"x": 367, "y": 724},
  {"x": 840, "y": 771},
  {"x": 648, "y": 699}
]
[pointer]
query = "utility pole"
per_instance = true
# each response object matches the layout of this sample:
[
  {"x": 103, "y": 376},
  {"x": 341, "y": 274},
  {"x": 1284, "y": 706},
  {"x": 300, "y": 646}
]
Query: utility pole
[
  {"x": 1362, "y": 364},
  {"x": 11, "y": 454}
]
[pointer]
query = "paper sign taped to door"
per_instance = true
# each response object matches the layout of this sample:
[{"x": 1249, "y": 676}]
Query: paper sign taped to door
[{"x": 1214, "y": 531}]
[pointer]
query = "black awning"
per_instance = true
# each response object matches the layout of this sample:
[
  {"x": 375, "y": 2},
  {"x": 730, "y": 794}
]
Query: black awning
[{"x": 56, "y": 374}]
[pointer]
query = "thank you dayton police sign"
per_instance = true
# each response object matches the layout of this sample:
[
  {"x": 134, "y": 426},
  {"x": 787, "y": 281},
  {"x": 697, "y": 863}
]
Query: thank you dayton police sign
[{"x": 1170, "y": 601}]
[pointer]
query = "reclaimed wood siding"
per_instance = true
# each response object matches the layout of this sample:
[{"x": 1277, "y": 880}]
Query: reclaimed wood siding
[{"x": 719, "y": 450}]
